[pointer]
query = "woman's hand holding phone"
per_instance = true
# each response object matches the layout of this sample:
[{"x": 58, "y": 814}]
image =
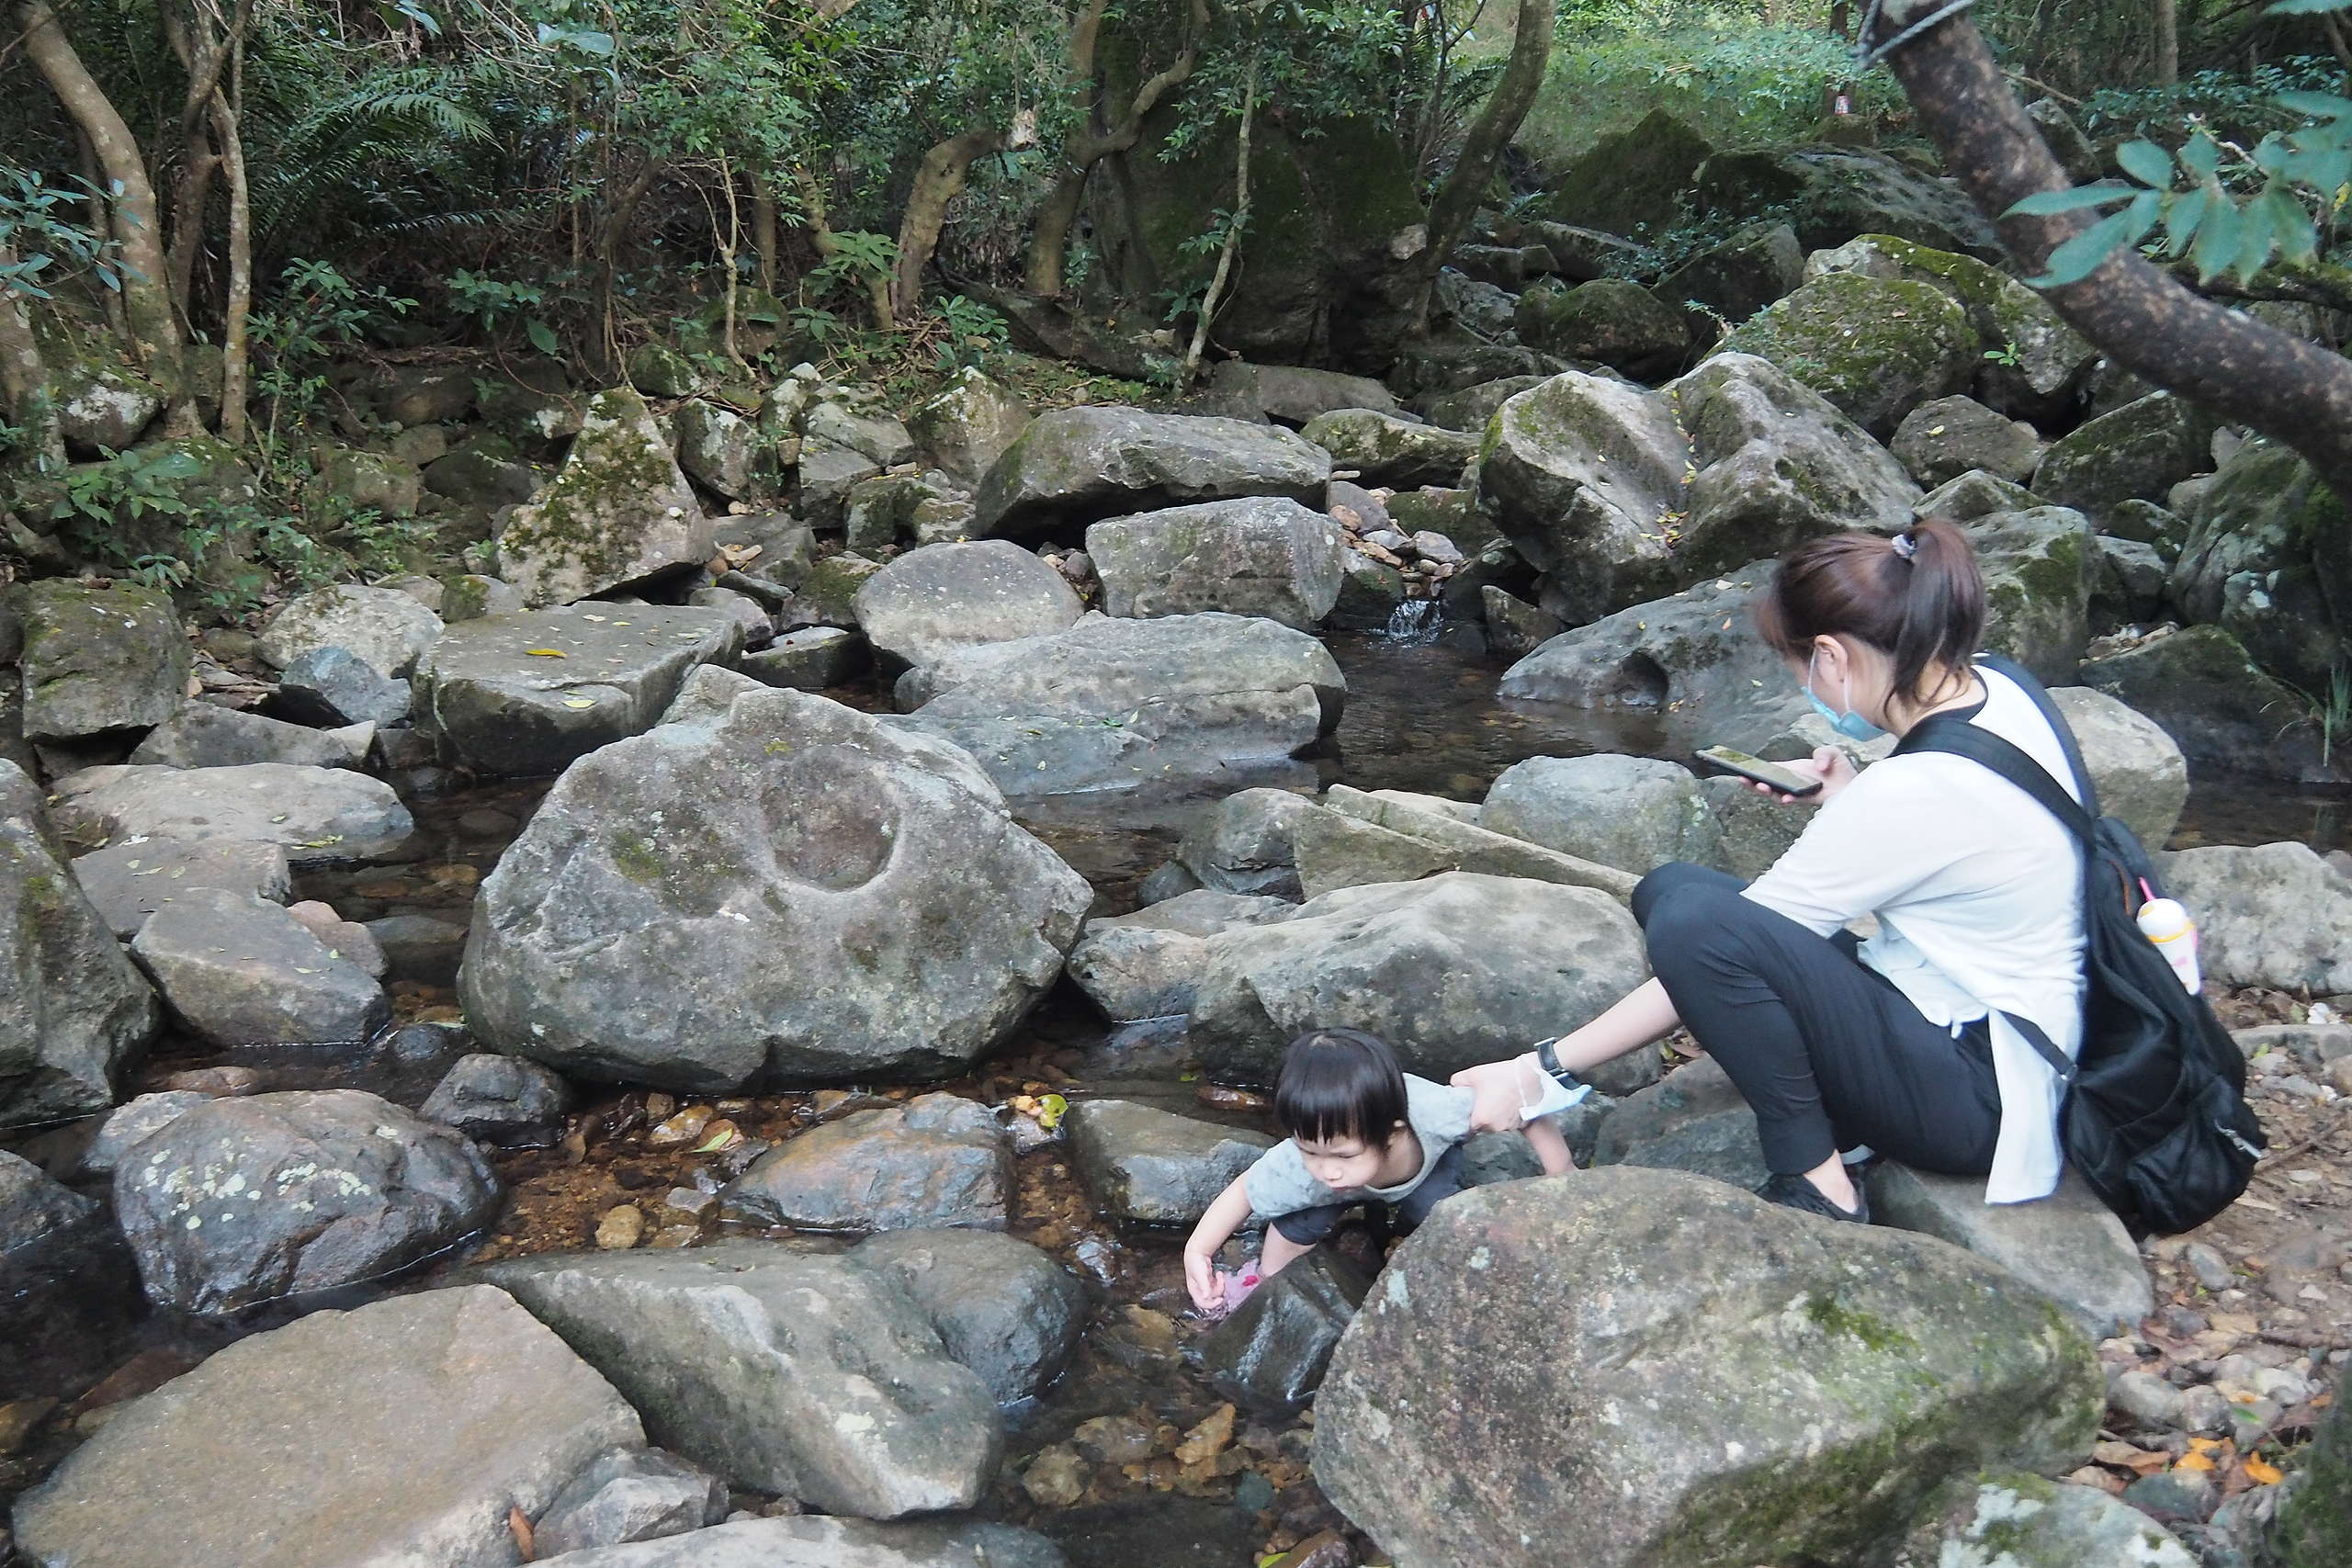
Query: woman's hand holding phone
[{"x": 1828, "y": 763}]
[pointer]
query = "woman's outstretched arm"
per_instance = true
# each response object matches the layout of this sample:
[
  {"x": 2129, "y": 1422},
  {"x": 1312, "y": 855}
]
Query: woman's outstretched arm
[{"x": 1643, "y": 1016}]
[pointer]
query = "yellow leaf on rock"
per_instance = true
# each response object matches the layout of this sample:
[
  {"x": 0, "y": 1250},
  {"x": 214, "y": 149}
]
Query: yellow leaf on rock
[
  {"x": 2194, "y": 1461},
  {"x": 2263, "y": 1471},
  {"x": 580, "y": 702},
  {"x": 547, "y": 653}
]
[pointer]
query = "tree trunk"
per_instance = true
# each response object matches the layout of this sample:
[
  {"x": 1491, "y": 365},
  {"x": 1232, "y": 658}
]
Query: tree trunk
[
  {"x": 937, "y": 181},
  {"x": 1482, "y": 148},
  {"x": 764, "y": 230},
  {"x": 2167, "y": 70},
  {"x": 237, "y": 309},
  {"x": 2295, "y": 392},
  {"x": 146, "y": 295},
  {"x": 24, "y": 378},
  {"x": 612, "y": 233},
  {"x": 1215, "y": 294},
  {"x": 821, "y": 235}
]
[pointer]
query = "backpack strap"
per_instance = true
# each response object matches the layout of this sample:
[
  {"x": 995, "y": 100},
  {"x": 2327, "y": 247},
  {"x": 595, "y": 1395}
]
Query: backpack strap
[
  {"x": 2023, "y": 679},
  {"x": 1959, "y": 738}
]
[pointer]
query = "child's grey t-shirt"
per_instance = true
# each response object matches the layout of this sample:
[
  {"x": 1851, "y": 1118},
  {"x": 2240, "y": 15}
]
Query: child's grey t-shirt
[{"x": 1440, "y": 1116}]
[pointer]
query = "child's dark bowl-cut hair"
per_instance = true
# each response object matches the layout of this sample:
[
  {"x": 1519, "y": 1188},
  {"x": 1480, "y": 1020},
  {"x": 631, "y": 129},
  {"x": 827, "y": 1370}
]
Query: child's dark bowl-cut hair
[{"x": 1340, "y": 1083}]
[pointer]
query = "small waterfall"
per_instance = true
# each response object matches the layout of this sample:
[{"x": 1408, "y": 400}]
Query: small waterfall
[{"x": 1415, "y": 622}]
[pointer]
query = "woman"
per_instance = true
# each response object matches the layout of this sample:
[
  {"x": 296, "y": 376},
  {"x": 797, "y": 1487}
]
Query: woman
[{"x": 1895, "y": 1045}]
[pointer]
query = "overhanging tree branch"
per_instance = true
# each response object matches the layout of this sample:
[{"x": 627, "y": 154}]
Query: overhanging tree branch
[
  {"x": 1457, "y": 200},
  {"x": 2296, "y": 392}
]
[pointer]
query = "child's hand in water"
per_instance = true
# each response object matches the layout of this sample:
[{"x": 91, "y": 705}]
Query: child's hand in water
[{"x": 1203, "y": 1282}]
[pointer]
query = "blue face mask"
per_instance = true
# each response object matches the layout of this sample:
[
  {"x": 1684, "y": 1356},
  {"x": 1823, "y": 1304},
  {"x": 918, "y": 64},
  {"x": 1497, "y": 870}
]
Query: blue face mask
[{"x": 1850, "y": 725}]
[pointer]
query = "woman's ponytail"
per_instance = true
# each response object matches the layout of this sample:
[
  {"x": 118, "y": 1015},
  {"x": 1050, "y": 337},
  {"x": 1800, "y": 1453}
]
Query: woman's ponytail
[{"x": 1918, "y": 598}]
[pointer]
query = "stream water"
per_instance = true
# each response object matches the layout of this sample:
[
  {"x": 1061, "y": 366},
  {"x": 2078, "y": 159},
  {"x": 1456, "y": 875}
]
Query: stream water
[{"x": 1422, "y": 716}]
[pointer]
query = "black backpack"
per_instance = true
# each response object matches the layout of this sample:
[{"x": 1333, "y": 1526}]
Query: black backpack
[{"x": 2155, "y": 1116}]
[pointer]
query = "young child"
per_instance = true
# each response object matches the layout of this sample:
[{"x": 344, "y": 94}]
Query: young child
[{"x": 1360, "y": 1130}]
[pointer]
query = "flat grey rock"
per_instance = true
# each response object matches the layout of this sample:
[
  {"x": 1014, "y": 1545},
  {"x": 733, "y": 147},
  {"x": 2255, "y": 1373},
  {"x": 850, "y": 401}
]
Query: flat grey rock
[
  {"x": 813, "y": 1542},
  {"x": 240, "y": 971},
  {"x": 314, "y": 815}
]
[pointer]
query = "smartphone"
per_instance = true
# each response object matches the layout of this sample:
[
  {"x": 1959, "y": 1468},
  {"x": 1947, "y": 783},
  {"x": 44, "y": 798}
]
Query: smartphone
[{"x": 1739, "y": 765}]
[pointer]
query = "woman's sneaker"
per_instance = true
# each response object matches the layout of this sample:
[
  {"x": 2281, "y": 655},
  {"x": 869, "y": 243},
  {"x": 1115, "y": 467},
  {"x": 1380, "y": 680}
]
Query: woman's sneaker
[{"x": 1796, "y": 1192}]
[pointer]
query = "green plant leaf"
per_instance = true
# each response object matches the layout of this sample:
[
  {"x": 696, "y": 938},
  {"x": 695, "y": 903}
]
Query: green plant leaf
[
  {"x": 2217, "y": 239},
  {"x": 2180, "y": 223},
  {"x": 542, "y": 338},
  {"x": 2316, "y": 105},
  {"x": 2147, "y": 162},
  {"x": 2081, "y": 256},
  {"x": 2045, "y": 203},
  {"x": 2201, "y": 156}
]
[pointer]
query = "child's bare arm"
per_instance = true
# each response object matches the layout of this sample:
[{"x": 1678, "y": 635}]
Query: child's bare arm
[
  {"x": 1226, "y": 1215},
  {"x": 1551, "y": 1146}
]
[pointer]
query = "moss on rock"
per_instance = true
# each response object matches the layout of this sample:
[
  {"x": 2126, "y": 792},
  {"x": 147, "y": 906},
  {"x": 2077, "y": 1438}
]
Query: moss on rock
[{"x": 1875, "y": 348}]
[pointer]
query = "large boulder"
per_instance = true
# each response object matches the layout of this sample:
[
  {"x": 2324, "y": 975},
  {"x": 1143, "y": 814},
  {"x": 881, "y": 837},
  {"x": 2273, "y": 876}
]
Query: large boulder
[
  {"x": 2223, "y": 710},
  {"x": 1612, "y": 321},
  {"x": 96, "y": 660},
  {"x": 408, "y": 1432},
  {"x": 2139, "y": 773},
  {"x": 1831, "y": 195},
  {"x": 1732, "y": 281},
  {"x": 386, "y": 627},
  {"x": 2270, "y": 915},
  {"x": 529, "y": 692},
  {"x": 129, "y": 881},
  {"x": 719, "y": 448},
  {"x": 938, "y": 1160},
  {"x": 1876, "y": 347},
  {"x": 1385, "y": 449},
  {"x": 1261, "y": 555},
  {"x": 2268, "y": 558},
  {"x": 810, "y": 1376},
  {"x": 2137, "y": 453},
  {"x": 1147, "y": 964},
  {"x": 238, "y": 1201},
  {"x": 75, "y": 1013},
  {"x": 966, "y": 428},
  {"x": 783, "y": 891},
  {"x": 2068, "y": 1246},
  {"x": 1116, "y": 706},
  {"x": 1294, "y": 395},
  {"x": 1695, "y": 653},
  {"x": 1242, "y": 844},
  {"x": 1941, "y": 440},
  {"x": 816, "y": 1541},
  {"x": 618, "y": 511},
  {"x": 1354, "y": 838},
  {"x": 315, "y": 814},
  {"x": 1634, "y": 813},
  {"x": 2038, "y": 578},
  {"x": 1001, "y": 1306},
  {"x": 240, "y": 971},
  {"x": 1452, "y": 970},
  {"x": 1152, "y": 1166},
  {"x": 1628, "y": 183},
  {"x": 940, "y": 598},
  {"x": 202, "y": 735},
  {"x": 1844, "y": 1372},
  {"x": 2010, "y": 1520},
  {"x": 1074, "y": 466},
  {"x": 1621, "y": 495}
]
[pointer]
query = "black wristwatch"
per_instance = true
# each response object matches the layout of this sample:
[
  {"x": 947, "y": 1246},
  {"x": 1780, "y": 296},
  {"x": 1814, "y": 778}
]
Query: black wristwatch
[{"x": 1547, "y": 1057}]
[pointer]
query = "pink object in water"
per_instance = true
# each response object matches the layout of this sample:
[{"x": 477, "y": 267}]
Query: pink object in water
[{"x": 1237, "y": 1286}]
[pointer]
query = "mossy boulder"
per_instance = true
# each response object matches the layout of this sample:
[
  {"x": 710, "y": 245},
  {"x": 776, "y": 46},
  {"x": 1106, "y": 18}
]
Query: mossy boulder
[
  {"x": 1472, "y": 407},
  {"x": 1385, "y": 449},
  {"x": 1630, "y": 182},
  {"x": 2034, "y": 362},
  {"x": 1621, "y": 495},
  {"x": 1612, "y": 321},
  {"x": 1370, "y": 591},
  {"x": 484, "y": 471},
  {"x": 966, "y": 428},
  {"x": 2224, "y": 711},
  {"x": 98, "y": 660},
  {"x": 103, "y": 405},
  {"x": 1732, "y": 281},
  {"x": 2039, "y": 569},
  {"x": 718, "y": 447},
  {"x": 1829, "y": 195},
  {"x": 2268, "y": 557},
  {"x": 618, "y": 511},
  {"x": 1941, "y": 440},
  {"x": 2013, "y": 1521},
  {"x": 1845, "y": 1373},
  {"x": 659, "y": 371},
  {"x": 2137, "y": 453},
  {"x": 1875, "y": 348},
  {"x": 348, "y": 480},
  {"x": 828, "y": 593}
]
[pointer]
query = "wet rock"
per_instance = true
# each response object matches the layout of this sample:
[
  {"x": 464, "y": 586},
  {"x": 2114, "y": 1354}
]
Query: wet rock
[
  {"x": 418, "y": 947},
  {"x": 238, "y": 1201},
  {"x": 967, "y": 427},
  {"x": 1521, "y": 960},
  {"x": 817, "y": 1542},
  {"x": 937, "y": 1160},
  {"x": 1242, "y": 844},
  {"x": 626, "y": 1494},
  {"x": 598, "y": 674},
  {"x": 1073, "y": 465},
  {"x": 1145, "y": 965},
  {"x": 1154, "y": 1165},
  {"x": 2010, "y": 1520},
  {"x": 940, "y": 598},
  {"x": 1115, "y": 705},
  {"x": 1001, "y": 1306},
  {"x": 2221, "y": 709},
  {"x": 1693, "y": 1120},
  {"x": 1270, "y": 1356},
  {"x": 616, "y": 513},
  {"x": 1580, "y": 471},
  {"x": 1790, "y": 1429},
  {"x": 2139, "y": 773},
  {"x": 754, "y": 888},
  {"x": 809, "y": 659},
  {"x": 2272, "y": 915},
  {"x": 128, "y": 1125},
  {"x": 97, "y": 659},
  {"x": 809, "y": 1376},
  {"x": 386, "y": 627},
  {"x": 1941, "y": 440},
  {"x": 2137, "y": 453},
  {"x": 203, "y": 736},
  {"x": 402, "y": 1432},
  {"x": 1630, "y": 812},
  {"x": 1257, "y": 556},
  {"x": 1385, "y": 449},
  {"x": 333, "y": 686},
  {"x": 2038, "y": 577},
  {"x": 238, "y": 971},
  {"x": 75, "y": 1015},
  {"x": 2068, "y": 1246},
  {"x": 500, "y": 1100},
  {"x": 32, "y": 1207}
]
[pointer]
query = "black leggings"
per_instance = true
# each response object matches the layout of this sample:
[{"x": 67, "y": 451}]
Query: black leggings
[{"x": 1828, "y": 1054}]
